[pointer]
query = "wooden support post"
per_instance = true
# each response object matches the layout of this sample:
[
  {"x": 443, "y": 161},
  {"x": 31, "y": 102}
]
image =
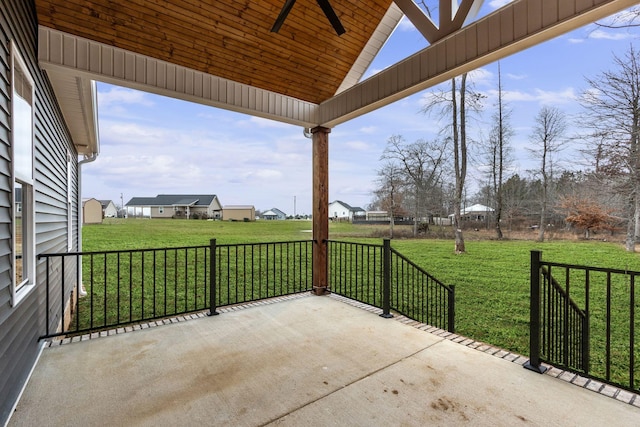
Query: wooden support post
[{"x": 320, "y": 208}]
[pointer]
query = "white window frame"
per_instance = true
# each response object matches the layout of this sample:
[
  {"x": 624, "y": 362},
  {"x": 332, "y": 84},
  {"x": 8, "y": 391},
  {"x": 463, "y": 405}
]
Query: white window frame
[
  {"x": 26, "y": 180},
  {"x": 161, "y": 210}
]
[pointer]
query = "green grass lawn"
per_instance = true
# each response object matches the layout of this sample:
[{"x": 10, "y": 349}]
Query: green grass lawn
[{"x": 491, "y": 279}]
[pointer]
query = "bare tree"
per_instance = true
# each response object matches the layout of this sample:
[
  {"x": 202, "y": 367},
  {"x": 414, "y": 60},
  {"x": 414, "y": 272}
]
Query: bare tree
[
  {"x": 454, "y": 108},
  {"x": 612, "y": 107},
  {"x": 626, "y": 19},
  {"x": 422, "y": 164},
  {"x": 548, "y": 139},
  {"x": 498, "y": 153},
  {"x": 390, "y": 191},
  {"x": 516, "y": 200}
]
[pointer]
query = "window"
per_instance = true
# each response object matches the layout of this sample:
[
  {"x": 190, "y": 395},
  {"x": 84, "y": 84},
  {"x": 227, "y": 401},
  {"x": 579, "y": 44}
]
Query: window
[
  {"x": 23, "y": 244},
  {"x": 161, "y": 209}
]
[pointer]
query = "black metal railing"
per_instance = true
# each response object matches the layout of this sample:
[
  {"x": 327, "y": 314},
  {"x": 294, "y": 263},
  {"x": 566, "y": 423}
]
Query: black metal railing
[
  {"x": 583, "y": 319},
  {"x": 564, "y": 326},
  {"x": 420, "y": 296},
  {"x": 252, "y": 271},
  {"x": 380, "y": 276},
  {"x": 129, "y": 286},
  {"x": 356, "y": 271}
]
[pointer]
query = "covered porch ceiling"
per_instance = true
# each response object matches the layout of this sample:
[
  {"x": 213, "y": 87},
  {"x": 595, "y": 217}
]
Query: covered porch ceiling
[{"x": 224, "y": 54}]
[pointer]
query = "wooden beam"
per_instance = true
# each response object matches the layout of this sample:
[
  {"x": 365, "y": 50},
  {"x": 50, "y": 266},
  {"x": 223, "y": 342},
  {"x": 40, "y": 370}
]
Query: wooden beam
[
  {"x": 510, "y": 29},
  {"x": 320, "y": 209}
]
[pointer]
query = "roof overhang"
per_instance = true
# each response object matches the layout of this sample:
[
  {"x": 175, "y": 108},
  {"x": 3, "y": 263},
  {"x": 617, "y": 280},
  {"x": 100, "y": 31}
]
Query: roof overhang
[
  {"x": 78, "y": 100},
  {"x": 73, "y": 62}
]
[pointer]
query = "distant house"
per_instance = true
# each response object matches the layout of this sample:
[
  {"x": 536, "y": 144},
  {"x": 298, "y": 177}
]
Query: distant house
[
  {"x": 274, "y": 214},
  {"x": 341, "y": 210},
  {"x": 91, "y": 211},
  {"x": 109, "y": 209},
  {"x": 175, "y": 206},
  {"x": 476, "y": 212},
  {"x": 239, "y": 213}
]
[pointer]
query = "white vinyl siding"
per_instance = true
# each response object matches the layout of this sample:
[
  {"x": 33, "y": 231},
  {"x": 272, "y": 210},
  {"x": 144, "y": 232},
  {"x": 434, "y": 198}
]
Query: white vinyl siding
[{"x": 69, "y": 203}]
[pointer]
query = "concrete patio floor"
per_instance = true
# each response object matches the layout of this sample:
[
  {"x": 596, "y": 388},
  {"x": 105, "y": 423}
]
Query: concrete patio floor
[{"x": 301, "y": 361}]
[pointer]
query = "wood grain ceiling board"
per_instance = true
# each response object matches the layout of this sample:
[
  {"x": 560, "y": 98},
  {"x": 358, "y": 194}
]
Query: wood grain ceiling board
[{"x": 230, "y": 39}]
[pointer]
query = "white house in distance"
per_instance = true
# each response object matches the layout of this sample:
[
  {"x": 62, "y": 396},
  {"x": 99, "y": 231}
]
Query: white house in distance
[
  {"x": 109, "y": 209},
  {"x": 274, "y": 214},
  {"x": 475, "y": 212},
  {"x": 341, "y": 210}
]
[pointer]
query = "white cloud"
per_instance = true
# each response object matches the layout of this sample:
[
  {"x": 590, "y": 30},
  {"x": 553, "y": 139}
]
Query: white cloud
[
  {"x": 118, "y": 95},
  {"x": 516, "y": 76},
  {"x": 481, "y": 77},
  {"x": 369, "y": 129},
  {"x": 358, "y": 145},
  {"x": 610, "y": 35},
  {"x": 540, "y": 96},
  {"x": 130, "y": 133}
]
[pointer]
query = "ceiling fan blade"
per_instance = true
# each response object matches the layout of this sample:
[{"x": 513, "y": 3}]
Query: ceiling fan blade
[
  {"x": 331, "y": 16},
  {"x": 288, "y": 4}
]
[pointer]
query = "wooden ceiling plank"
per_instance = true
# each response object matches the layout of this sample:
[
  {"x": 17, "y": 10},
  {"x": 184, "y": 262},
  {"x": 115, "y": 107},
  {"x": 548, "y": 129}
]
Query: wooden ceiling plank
[
  {"x": 186, "y": 58},
  {"x": 303, "y": 75}
]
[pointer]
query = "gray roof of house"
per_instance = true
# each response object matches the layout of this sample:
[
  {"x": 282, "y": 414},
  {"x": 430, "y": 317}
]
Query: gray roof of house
[
  {"x": 351, "y": 208},
  {"x": 173, "y": 199}
]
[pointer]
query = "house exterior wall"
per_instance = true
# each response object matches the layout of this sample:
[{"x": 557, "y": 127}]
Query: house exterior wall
[
  {"x": 180, "y": 212},
  {"x": 110, "y": 211},
  {"x": 22, "y": 324},
  {"x": 92, "y": 212},
  {"x": 162, "y": 212},
  {"x": 338, "y": 210},
  {"x": 200, "y": 211}
]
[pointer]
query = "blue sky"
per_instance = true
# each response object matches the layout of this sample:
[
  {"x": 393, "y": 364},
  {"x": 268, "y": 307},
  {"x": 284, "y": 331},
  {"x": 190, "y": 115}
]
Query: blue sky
[{"x": 152, "y": 145}]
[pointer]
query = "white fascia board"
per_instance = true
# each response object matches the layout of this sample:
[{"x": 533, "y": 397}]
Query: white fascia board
[{"x": 385, "y": 28}]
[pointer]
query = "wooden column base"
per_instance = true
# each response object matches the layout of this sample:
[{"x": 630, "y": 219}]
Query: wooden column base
[{"x": 320, "y": 291}]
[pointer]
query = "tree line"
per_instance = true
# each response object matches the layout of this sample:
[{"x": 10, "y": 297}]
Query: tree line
[{"x": 426, "y": 179}]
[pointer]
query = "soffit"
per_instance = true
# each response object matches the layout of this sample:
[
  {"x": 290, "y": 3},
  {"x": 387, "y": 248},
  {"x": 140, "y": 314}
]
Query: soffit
[{"x": 305, "y": 60}]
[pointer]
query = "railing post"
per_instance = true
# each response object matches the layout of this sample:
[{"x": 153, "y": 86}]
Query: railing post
[
  {"x": 47, "y": 296},
  {"x": 213, "y": 272},
  {"x": 584, "y": 340},
  {"x": 533, "y": 363},
  {"x": 452, "y": 309},
  {"x": 386, "y": 279}
]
